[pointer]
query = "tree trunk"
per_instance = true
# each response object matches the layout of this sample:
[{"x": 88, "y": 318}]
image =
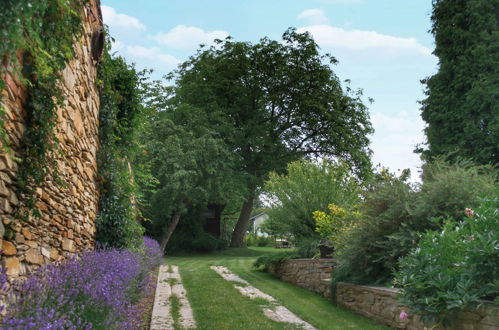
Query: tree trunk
[
  {"x": 242, "y": 223},
  {"x": 169, "y": 231}
]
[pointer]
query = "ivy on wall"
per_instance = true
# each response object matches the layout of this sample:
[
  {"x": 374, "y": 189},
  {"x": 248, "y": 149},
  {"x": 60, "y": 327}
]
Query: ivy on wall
[
  {"x": 120, "y": 116},
  {"x": 45, "y": 31}
]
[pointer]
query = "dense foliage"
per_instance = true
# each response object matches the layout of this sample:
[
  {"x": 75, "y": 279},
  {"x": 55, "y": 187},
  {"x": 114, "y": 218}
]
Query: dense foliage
[
  {"x": 307, "y": 187},
  {"x": 461, "y": 107},
  {"x": 335, "y": 224},
  {"x": 99, "y": 290},
  {"x": 36, "y": 39},
  {"x": 394, "y": 213},
  {"x": 271, "y": 103},
  {"x": 120, "y": 117},
  {"x": 455, "y": 267},
  {"x": 190, "y": 162}
]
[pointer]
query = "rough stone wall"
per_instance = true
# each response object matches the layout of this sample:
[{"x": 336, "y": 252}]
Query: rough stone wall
[
  {"x": 310, "y": 274},
  {"x": 377, "y": 303},
  {"x": 380, "y": 304},
  {"x": 68, "y": 210}
]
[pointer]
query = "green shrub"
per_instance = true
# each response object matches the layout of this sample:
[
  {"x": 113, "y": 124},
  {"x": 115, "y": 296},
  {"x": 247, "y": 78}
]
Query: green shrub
[
  {"x": 453, "y": 268},
  {"x": 307, "y": 248},
  {"x": 207, "y": 243},
  {"x": 260, "y": 241},
  {"x": 264, "y": 262},
  {"x": 395, "y": 213}
]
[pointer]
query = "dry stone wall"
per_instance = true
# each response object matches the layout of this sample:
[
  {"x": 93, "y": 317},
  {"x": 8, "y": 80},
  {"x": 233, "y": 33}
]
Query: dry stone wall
[
  {"x": 68, "y": 209},
  {"x": 310, "y": 274},
  {"x": 380, "y": 304},
  {"x": 377, "y": 303}
]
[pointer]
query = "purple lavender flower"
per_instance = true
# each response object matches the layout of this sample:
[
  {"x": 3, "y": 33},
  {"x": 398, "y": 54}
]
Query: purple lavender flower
[{"x": 97, "y": 290}]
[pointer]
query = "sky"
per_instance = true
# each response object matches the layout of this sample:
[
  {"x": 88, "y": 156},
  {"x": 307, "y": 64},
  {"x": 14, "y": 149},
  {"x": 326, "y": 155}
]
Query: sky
[{"x": 383, "y": 47}]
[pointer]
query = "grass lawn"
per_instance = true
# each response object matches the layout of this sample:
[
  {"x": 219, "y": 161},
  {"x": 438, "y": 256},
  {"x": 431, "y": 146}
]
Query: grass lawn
[{"x": 218, "y": 305}]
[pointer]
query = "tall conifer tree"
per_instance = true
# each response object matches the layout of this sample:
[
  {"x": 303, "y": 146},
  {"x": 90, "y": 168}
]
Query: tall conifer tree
[{"x": 462, "y": 104}]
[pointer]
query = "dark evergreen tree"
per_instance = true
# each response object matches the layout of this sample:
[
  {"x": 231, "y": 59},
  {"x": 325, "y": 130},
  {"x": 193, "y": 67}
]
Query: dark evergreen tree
[{"x": 461, "y": 107}]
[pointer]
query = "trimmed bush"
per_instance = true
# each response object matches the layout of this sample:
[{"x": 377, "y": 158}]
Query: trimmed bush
[
  {"x": 98, "y": 290},
  {"x": 455, "y": 267}
]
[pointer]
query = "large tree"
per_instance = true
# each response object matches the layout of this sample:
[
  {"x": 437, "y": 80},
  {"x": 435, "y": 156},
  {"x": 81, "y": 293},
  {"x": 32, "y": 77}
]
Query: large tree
[
  {"x": 192, "y": 166},
  {"x": 272, "y": 103},
  {"x": 461, "y": 108}
]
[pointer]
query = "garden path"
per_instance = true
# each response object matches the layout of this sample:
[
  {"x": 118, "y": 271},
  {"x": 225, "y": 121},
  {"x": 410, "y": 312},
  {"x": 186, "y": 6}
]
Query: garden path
[
  {"x": 171, "y": 308},
  {"x": 218, "y": 304}
]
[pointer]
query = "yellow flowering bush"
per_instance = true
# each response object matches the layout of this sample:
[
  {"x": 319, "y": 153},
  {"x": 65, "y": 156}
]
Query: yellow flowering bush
[{"x": 337, "y": 222}]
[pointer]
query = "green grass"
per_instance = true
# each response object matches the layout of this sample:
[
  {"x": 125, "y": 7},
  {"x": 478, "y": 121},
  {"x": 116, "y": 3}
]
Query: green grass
[
  {"x": 217, "y": 305},
  {"x": 175, "y": 310}
]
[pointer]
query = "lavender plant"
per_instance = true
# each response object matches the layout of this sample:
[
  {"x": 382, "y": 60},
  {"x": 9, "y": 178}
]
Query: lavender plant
[{"x": 99, "y": 290}]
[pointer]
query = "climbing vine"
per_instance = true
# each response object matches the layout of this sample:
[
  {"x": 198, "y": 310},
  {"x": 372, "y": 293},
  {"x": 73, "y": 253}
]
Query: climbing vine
[
  {"x": 36, "y": 42},
  {"x": 120, "y": 116}
]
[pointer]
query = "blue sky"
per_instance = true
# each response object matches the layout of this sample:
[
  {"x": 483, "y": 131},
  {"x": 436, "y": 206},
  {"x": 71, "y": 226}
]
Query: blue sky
[{"x": 383, "y": 47}]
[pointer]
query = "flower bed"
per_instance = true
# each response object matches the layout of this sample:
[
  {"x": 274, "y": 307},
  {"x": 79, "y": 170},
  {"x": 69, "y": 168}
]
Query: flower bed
[{"x": 98, "y": 290}]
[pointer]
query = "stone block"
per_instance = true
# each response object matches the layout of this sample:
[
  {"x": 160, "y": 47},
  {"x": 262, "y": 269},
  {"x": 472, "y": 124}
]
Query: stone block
[
  {"x": 54, "y": 254},
  {"x": 68, "y": 245},
  {"x": 12, "y": 265},
  {"x": 26, "y": 233},
  {"x": 45, "y": 252},
  {"x": 9, "y": 249},
  {"x": 33, "y": 256}
]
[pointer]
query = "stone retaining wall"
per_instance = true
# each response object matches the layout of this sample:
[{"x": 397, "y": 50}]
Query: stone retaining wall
[
  {"x": 310, "y": 274},
  {"x": 68, "y": 210},
  {"x": 377, "y": 303},
  {"x": 380, "y": 304}
]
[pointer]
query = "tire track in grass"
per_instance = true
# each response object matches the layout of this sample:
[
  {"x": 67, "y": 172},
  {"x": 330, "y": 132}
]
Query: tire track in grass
[{"x": 271, "y": 307}]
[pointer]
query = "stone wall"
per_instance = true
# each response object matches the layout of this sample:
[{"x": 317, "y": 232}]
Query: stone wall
[
  {"x": 68, "y": 210},
  {"x": 310, "y": 274},
  {"x": 377, "y": 303},
  {"x": 380, "y": 304}
]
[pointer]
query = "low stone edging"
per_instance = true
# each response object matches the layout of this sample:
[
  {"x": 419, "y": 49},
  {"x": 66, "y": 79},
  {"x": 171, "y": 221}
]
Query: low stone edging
[{"x": 377, "y": 303}]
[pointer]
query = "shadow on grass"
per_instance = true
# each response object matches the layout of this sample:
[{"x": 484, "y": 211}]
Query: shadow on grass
[{"x": 249, "y": 252}]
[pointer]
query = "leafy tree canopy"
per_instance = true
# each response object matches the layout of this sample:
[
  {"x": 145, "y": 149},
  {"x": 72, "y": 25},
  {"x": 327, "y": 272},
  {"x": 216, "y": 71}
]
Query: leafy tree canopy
[
  {"x": 272, "y": 103},
  {"x": 191, "y": 164}
]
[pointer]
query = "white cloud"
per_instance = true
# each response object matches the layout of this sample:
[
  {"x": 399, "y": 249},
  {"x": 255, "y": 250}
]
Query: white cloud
[
  {"x": 115, "y": 20},
  {"x": 189, "y": 37},
  {"x": 313, "y": 16},
  {"x": 330, "y": 36},
  {"x": 400, "y": 122},
  {"x": 153, "y": 54},
  {"x": 394, "y": 140}
]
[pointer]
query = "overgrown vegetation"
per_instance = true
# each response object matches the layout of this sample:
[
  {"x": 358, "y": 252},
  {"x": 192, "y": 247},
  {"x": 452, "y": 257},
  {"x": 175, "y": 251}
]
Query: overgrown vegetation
[
  {"x": 37, "y": 42},
  {"x": 120, "y": 117},
  {"x": 395, "y": 213},
  {"x": 455, "y": 267}
]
